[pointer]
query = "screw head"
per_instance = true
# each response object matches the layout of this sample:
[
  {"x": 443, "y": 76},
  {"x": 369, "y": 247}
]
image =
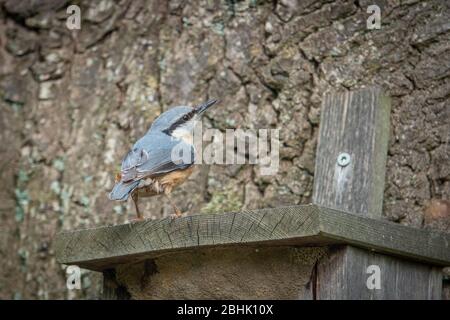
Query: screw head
[{"x": 343, "y": 159}]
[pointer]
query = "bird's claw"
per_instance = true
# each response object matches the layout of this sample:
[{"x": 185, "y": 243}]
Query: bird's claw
[{"x": 177, "y": 214}]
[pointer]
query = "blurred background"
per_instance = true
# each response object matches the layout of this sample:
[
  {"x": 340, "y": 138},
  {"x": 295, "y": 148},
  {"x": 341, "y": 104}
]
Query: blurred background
[{"x": 73, "y": 101}]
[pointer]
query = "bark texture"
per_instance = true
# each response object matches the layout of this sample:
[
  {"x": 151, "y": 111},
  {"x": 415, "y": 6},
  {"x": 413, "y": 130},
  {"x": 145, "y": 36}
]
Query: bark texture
[{"x": 73, "y": 101}]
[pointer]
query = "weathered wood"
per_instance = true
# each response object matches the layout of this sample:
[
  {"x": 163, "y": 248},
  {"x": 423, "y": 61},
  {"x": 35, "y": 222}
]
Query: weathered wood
[
  {"x": 343, "y": 275},
  {"x": 357, "y": 123},
  {"x": 105, "y": 247},
  {"x": 384, "y": 236}
]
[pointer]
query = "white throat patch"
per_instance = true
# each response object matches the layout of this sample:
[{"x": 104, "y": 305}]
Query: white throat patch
[{"x": 185, "y": 132}]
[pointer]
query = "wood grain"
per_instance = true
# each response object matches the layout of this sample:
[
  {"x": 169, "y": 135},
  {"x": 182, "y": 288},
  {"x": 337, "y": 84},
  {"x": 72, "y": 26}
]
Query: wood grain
[
  {"x": 357, "y": 123},
  {"x": 343, "y": 274},
  {"x": 105, "y": 247}
]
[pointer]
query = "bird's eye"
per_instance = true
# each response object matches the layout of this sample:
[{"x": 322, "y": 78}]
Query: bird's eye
[{"x": 186, "y": 117}]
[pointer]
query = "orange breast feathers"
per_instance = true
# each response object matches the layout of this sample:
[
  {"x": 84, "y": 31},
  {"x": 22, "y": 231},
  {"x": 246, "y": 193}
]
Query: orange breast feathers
[
  {"x": 175, "y": 178},
  {"x": 164, "y": 183}
]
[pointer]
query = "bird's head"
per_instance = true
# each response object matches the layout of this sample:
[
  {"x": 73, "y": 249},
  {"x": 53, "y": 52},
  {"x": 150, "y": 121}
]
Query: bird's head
[{"x": 180, "y": 121}]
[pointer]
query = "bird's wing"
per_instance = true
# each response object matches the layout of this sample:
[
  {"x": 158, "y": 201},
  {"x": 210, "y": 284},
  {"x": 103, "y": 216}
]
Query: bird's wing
[
  {"x": 122, "y": 190},
  {"x": 154, "y": 155}
]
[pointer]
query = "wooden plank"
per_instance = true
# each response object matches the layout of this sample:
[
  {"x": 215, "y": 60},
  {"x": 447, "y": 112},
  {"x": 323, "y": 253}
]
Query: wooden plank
[
  {"x": 356, "y": 123},
  {"x": 384, "y": 236},
  {"x": 106, "y": 247},
  {"x": 399, "y": 279}
]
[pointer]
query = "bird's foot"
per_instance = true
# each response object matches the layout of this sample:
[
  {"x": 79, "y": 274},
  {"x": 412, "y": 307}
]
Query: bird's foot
[{"x": 177, "y": 214}]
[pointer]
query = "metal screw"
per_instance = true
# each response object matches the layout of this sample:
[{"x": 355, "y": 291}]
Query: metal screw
[{"x": 343, "y": 159}]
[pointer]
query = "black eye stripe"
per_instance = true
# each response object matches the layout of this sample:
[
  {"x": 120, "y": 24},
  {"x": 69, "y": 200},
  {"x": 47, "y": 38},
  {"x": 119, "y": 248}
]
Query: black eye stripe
[
  {"x": 180, "y": 121},
  {"x": 187, "y": 116}
]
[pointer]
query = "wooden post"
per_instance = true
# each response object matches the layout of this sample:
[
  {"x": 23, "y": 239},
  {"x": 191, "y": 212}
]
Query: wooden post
[
  {"x": 351, "y": 152},
  {"x": 349, "y": 176}
]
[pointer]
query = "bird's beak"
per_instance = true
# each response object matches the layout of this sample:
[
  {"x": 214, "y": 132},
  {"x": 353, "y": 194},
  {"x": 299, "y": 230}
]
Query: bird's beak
[{"x": 203, "y": 107}]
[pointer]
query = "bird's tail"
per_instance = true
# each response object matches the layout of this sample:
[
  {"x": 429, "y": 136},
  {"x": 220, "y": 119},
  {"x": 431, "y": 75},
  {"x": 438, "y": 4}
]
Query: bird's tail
[{"x": 122, "y": 190}]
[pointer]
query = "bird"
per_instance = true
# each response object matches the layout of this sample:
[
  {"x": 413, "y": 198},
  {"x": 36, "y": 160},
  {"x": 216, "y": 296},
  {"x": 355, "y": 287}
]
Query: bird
[{"x": 162, "y": 159}]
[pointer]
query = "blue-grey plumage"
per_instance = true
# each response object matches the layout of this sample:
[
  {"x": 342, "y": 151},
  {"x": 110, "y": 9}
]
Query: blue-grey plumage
[{"x": 148, "y": 167}]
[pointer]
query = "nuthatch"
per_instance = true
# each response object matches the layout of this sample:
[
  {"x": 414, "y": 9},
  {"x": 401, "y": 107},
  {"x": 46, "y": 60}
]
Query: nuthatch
[{"x": 149, "y": 168}]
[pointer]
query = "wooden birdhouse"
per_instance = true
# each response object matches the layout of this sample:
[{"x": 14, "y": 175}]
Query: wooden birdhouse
[{"x": 338, "y": 247}]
